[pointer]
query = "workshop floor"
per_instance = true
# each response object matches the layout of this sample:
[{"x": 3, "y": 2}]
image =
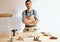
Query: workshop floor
[{"x": 4, "y": 38}]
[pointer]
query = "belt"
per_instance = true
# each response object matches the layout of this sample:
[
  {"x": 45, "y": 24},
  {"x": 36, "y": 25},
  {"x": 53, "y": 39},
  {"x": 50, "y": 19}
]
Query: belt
[{"x": 30, "y": 25}]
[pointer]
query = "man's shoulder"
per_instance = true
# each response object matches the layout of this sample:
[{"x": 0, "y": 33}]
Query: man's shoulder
[
  {"x": 23, "y": 11},
  {"x": 34, "y": 10},
  {"x": 26, "y": 10}
]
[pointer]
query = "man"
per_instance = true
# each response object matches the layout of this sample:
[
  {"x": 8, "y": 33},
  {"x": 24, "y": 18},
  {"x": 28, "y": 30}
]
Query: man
[{"x": 29, "y": 17}]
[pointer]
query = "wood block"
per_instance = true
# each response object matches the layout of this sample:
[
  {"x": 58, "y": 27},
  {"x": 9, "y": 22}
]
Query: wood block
[{"x": 6, "y": 15}]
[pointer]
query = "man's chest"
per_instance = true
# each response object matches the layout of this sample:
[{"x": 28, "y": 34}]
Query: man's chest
[{"x": 29, "y": 14}]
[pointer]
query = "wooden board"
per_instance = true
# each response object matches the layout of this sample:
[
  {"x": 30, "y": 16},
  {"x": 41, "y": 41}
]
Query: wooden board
[{"x": 6, "y": 15}]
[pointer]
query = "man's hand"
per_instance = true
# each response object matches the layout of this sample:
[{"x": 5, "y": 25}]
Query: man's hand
[
  {"x": 34, "y": 22},
  {"x": 26, "y": 21}
]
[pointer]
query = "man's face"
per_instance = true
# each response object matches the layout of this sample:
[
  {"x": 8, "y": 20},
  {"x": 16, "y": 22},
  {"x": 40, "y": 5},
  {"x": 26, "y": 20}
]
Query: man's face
[{"x": 28, "y": 5}]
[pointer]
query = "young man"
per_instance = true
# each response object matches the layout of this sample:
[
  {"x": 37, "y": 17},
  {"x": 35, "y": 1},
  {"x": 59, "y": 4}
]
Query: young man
[{"x": 29, "y": 17}]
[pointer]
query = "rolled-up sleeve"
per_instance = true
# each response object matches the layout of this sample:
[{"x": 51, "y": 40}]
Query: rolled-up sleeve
[
  {"x": 23, "y": 15},
  {"x": 36, "y": 16}
]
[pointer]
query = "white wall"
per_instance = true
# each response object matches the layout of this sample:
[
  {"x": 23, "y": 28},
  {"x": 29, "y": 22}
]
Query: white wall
[
  {"x": 50, "y": 15},
  {"x": 14, "y": 7},
  {"x": 48, "y": 11}
]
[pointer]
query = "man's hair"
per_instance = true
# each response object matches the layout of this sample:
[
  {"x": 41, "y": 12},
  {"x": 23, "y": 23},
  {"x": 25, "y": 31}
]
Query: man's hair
[{"x": 28, "y": 1}]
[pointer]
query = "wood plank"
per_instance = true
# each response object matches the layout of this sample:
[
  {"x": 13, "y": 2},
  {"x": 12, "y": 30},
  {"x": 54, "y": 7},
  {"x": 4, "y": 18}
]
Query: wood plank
[{"x": 6, "y": 15}]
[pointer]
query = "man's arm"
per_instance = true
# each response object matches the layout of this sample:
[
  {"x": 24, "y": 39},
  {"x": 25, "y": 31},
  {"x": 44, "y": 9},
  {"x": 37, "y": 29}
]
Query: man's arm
[
  {"x": 36, "y": 18},
  {"x": 33, "y": 21},
  {"x": 25, "y": 21}
]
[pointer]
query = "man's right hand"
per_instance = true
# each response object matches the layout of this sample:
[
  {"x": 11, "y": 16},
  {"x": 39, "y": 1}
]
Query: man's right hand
[{"x": 26, "y": 21}]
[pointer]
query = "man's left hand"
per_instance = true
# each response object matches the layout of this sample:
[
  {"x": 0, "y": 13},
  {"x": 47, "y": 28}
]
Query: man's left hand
[{"x": 34, "y": 22}]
